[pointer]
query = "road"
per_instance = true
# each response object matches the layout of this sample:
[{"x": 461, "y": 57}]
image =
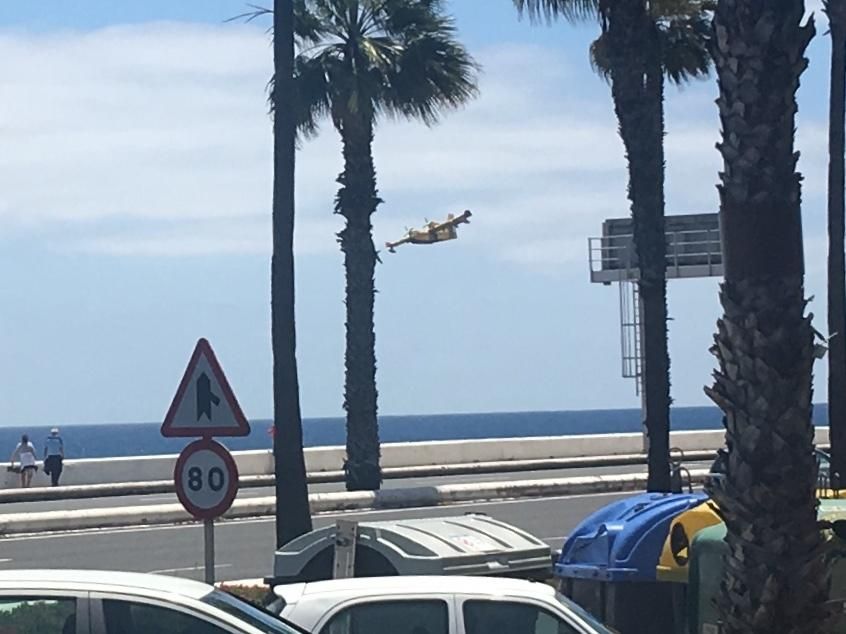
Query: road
[
  {"x": 245, "y": 547},
  {"x": 170, "y": 498}
]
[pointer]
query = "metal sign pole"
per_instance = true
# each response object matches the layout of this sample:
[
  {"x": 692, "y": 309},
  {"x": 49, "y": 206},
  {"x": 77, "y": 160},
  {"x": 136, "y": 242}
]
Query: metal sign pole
[{"x": 208, "y": 530}]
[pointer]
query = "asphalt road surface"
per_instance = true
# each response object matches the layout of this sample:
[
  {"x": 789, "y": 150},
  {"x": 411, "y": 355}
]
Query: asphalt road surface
[
  {"x": 244, "y": 548},
  {"x": 170, "y": 498}
]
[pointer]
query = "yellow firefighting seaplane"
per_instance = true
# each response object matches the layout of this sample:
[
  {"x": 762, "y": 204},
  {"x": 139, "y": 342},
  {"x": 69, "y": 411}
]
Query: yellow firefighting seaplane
[{"x": 433, "y": 232}]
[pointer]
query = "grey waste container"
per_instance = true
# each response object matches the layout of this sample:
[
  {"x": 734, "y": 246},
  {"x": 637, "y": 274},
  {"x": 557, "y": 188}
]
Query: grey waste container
[{"x": 463, "y": 545}]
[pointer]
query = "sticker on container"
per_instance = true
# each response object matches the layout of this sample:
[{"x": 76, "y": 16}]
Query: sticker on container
[{"x": 476, "y": 543}]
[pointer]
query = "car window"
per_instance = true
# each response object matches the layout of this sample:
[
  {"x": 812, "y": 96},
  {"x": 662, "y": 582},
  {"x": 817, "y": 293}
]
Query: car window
[
  {"x": 584, "y": 615},
  {"x": 492, "y": 617},
  {"x": 126, "y": 617},
  {"x": 37, "y": 615},
  {"x": 393, "y": 617}
]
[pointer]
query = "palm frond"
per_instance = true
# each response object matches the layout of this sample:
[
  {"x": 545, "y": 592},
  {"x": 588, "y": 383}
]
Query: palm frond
[
  {"x": 255, "y": 13},
  {"x": 309, "y": 29},
  {"x": 600, "y": 60},
  {"x": 433, "y": 74},
  {"x": 550, "y": 10},
  {"x": 684, "y": 37},
  {"x": 312, "y": 94}
]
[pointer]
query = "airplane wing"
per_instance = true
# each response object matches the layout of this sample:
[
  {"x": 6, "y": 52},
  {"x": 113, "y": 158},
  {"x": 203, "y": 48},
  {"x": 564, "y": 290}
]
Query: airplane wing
[
  {"x": 462, "y": 219},
  {"x": 391, "y": 246}
]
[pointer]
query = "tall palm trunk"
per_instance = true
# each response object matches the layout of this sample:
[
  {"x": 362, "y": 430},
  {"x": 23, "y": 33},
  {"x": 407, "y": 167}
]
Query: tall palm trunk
[
  {"x": 293, "y": 517},
  {"x": 836, "y": 10},
  {"x": 637, "y": 88},
  {"x": 775, "y": 579},
  {"x": 357, "y": 200}
]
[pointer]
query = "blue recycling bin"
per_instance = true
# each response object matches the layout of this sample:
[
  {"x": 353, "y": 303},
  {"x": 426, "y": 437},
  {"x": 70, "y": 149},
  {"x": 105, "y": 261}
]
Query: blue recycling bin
[{"x": 608, "y": 563}]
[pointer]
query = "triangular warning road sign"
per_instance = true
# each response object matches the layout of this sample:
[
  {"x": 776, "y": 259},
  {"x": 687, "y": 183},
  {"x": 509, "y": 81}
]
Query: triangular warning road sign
[{"x": 204, "y": 404}]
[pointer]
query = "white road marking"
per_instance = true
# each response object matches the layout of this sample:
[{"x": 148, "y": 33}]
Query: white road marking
[
  {"x": 5, "y": 561},
  {"x": 187, "y": 569},
  {"x": 234, "y": 523}
]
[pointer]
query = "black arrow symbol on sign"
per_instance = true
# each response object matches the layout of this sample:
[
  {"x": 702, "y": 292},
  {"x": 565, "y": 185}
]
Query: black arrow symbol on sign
[{"x": 205, "y": 397}]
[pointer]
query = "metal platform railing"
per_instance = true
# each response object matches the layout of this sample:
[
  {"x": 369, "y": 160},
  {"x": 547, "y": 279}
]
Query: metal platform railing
[{"x": 694, "y": 253}]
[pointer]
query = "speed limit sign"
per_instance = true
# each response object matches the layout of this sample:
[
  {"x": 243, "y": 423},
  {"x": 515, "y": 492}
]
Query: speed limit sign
[{"x": 206, "y": 479}]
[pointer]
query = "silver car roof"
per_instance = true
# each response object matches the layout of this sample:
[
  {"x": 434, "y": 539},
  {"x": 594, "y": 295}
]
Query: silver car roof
[
  {"x": 416, "y": 584},
  {"x": 102, "y": 580}
]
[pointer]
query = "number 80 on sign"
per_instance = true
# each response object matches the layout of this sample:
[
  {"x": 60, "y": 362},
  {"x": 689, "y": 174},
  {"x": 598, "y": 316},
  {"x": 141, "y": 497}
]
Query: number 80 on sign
[{"x": 206, "y": 479}]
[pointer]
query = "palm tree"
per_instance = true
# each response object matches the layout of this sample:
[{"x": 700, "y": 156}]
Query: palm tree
[
  {"x": 293, "y": 517},
  {"x": 776, "y": 578},
  {"x": 640, "y": 45},
  {"x": 360, "y": 60},
  {"x": 836, "y": 11}
]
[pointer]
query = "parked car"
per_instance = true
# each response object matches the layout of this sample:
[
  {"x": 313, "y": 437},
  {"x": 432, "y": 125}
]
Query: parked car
[
  {"x": 718, "y": 470},
  {"x": 107, "y": 602},
  {"x": 824, "y": 465},
  {"x": 432, "y": 605}
]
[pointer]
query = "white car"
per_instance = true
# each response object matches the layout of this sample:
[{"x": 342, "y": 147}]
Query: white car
[
  {"x": 106, "y": 602},
  {"x": 431, "y": 605}
]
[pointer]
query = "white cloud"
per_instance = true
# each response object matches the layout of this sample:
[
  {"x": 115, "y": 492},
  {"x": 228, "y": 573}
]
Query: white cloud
[
  {"x": 154, "y": 139},
  {"x": 248, "y": 234}
]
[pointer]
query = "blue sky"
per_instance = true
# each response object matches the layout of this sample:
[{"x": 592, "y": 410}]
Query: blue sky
[{"x": 135, "y": 203}]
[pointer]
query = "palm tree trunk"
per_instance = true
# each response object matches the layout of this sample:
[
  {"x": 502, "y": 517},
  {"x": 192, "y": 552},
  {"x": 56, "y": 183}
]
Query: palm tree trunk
[
  {"x": 637, "y": 88},
  {"x": 775, "y": 577},
  {"x": 293, "y": 517},
  {"x": 357, "y": 200},
  {"x": 836, "y": 10}
]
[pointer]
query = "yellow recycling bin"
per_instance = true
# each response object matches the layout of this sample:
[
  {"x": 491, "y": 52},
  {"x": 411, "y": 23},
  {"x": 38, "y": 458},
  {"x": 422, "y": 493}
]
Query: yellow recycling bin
[{"x": 672, "y": 565}]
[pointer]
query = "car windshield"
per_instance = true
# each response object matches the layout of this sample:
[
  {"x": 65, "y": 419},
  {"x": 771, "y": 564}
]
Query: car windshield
[
  {"x": 597, "y": 625},
  {"x": 249, "y": 613}
]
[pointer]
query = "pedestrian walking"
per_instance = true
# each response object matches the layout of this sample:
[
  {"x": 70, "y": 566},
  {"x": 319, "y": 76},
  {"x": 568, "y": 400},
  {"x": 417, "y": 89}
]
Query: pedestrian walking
[
  {"x": 24, "y": 454},
  {"x": 54, "y": 456}
]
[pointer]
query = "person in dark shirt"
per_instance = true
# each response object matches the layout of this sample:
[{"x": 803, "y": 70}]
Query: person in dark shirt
[{"x": 54, "y": 455}]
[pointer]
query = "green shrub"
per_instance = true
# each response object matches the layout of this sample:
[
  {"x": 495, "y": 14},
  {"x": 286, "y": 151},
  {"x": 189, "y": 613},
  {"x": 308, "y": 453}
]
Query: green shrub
[{"x": 257, "y": 595}]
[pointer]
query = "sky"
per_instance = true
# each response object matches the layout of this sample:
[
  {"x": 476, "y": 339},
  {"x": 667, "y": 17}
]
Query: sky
[{"x": 135, "y": 191}]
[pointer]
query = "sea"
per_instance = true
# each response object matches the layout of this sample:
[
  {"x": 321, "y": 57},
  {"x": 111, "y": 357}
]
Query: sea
[{"x": 142, "y": 439}]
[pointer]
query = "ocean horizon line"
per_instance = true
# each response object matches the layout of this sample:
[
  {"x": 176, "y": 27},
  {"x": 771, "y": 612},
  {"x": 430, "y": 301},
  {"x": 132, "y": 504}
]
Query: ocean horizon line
[
  {"x": 321, "y": 419},
  {"x": 100, "y": 440}
]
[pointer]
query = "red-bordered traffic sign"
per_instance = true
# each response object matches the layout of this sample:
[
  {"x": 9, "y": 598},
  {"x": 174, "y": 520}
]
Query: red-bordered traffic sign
[
  {"x": 204, "y": 404},
  {"x": 206, "y": 479}
]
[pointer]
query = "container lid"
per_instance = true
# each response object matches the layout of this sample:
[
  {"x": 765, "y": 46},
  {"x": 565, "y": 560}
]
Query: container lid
[
  {"x": 623, "y": 540},
  {"x": 428, "y": 545}
]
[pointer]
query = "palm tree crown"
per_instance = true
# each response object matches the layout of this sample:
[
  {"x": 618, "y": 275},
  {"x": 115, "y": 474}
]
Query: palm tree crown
[
  {"x": 378, "y": 57},
  {"x": 682, "y": 32}
]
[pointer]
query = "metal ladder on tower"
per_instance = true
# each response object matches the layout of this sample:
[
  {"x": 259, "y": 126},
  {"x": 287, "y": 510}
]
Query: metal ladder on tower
[{"x": 631, "y": 336}]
